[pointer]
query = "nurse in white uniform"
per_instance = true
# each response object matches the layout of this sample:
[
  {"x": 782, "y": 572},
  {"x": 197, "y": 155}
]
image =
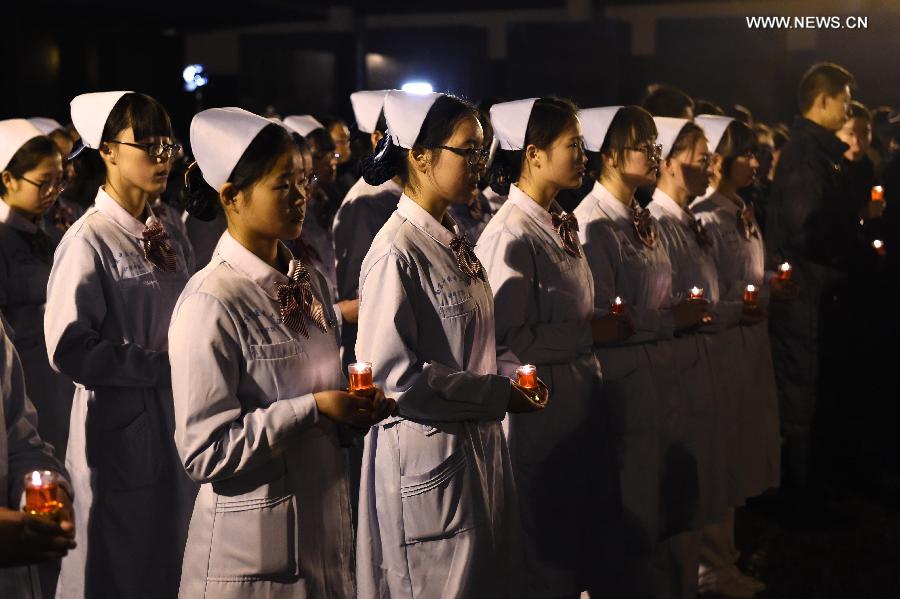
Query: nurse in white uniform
[
  {"x": 362, "y": 213},
  {"x": 25, "y": 540},
  {"x": 543, "y": 296},
  {"x": 692, "y": 429},
  {"x": 256, "y": 378},
  {"x": 32, "y": 177},
  {"x": 113, "y": 286},
  {"x": 438, "y": 505},
  {"x": 630, "y": 265},
  {"x": 739, "y": 252}
]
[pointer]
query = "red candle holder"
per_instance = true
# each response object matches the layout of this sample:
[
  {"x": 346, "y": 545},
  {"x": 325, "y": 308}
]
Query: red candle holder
[
  {"x": 695, "y": 293},
  {"x": 360, "y": 376},
  {"x": 751, "y": 296},
  {"x": 527, "y": 376},
  {"x": 785, "y": 271},
  {"x": 877, "y": 193},
  {"x": 617, "y": 306},
  {"x": 42, "y": 494},
  {"x": 879, "y": 248}
]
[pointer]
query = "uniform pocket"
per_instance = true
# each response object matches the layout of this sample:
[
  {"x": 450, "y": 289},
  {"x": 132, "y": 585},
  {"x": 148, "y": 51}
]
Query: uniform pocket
[
  {"x": 253, "y": 538},
  {"x": 274, "y": 366},
  {"x": 132, "y": 454},
  {"x": 438, "y": 504}
]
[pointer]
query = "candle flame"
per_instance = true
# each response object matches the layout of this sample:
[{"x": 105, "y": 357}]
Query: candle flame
[
  {"x": 360, "y": 367},
  {"x": 618, "y": 301},
  {"x": 785, "y": 267},
  {"x": 527, "y": 368},
  {"x": 751, "y": 288},
  {"x": 696, "y": 291},
  {"x": 36, "y": 478},
  {"x": 877, "y": 244}
]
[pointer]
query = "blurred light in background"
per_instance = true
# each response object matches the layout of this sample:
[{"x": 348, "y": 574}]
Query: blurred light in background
[
  {"x": 417, "y": 87},
  {"x": 194, "y": 77}
]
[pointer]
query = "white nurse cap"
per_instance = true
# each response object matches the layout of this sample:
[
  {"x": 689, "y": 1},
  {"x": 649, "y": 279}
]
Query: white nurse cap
[
  {"x": 367, "y": 106},
  {"x": 510, "y": 122},
  {"x": 667, "y": 130},
  {"x": 303, "y": 124},
  {"x": 14, "y": 133},
  {"x": 45, "y": 125},
  {"x": 714, "y": 127},
  {"x": 219, "y": 137},
  {"x": 89, "y": 114},
  {"x": 595, "y": 123},
  {"x": 405, "y": 113}
]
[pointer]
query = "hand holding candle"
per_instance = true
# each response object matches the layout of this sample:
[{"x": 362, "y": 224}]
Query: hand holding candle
[
  {"x": 751, "y": 297},
  {"x": 527, "y": 393}
]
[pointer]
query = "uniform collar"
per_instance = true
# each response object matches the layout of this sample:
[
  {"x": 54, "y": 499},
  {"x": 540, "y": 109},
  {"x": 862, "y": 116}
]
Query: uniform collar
[
  {"x": 248, "y": 264},
  {"x": 391, "y": 186},
  {"x": 116, "y": 213},
  {"x": 665, "y": 203},
  {"x": 609, "y": 204},
  {"x": 720, "y": 200},
  {"x": 526, "y": 204},
  {"x": 10, "y": 217},
  {"x": 421, "y": 219}
]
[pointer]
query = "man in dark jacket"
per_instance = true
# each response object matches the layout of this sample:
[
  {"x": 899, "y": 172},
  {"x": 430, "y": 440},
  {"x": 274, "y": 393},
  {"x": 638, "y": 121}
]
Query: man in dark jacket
[{"x": 814, "y": 225}]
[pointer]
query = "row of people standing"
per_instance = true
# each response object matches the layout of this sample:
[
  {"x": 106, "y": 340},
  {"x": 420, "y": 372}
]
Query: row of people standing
[{"x": 439, "y": 510}]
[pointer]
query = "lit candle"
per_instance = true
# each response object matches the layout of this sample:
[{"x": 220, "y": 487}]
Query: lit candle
[
  {"x": 879, "y": 248},
  {"x": 751, "y": 296},
  {"x": 527, "y": 376},
  {"x": 617, "y": 306},
  {"x": 877, "y": 193},
  {"x": 360, "y": 376},
  {"x": 784, "y": 271},
  {"x": 696, "y": 293},
  {"x": 42, "y": 493}
]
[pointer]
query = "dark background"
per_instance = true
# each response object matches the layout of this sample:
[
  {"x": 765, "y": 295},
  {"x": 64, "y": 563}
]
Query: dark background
[{"x": 297, "y": 56}]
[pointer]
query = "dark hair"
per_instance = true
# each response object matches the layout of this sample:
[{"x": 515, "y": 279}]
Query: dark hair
[
  {"x": 631, "y": 126},
  {"x": 381, "y": 123},
  {"x": 28, "y": 157},
  {"x": 823, "y": 77},
  {"x": 859, "y": 111},
  {"x": 301, "y": 143},
  {"x": 549, "y": 118},
  {"x": 686, "y": 139},
  {"x": 668, "y": 100},
  {"x": 260, "y": 157},
  {"x": 741, "y": 113},
  {"x": 331, "y": 120},
  {"x": 780, "y": 135},
  {"x": 321, "y": 140},
  {"x": 707, "y": 107},
  {"x": 143, "y": 114},
  {"x": 738, "y": 140},
  {"x": 389, "y": 160}
]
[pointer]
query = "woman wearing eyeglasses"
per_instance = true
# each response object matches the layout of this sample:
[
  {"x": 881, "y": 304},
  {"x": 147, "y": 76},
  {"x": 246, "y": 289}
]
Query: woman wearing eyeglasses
[
  {"x": 744, "y": 373},
  {"x": 632, "y": 302},
  {"x": 115, "y": 280},
  {"x": 437, "y": 512},
  {"x": 31, "y": 178}
]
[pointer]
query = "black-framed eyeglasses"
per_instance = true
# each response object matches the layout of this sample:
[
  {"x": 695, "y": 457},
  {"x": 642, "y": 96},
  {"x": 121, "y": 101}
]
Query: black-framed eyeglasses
[
  {"x": 652, "y": 151},
  {"x": 156, "y": 150},
  {"x": 474, "y": 156},
  {"x": 49, "y": 187}
]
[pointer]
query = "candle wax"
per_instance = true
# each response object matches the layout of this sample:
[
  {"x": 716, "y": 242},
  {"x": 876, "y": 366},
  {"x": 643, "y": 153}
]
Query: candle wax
[
  {"x": 42, "y": 500},
  {"x": 527, "y": 376}
]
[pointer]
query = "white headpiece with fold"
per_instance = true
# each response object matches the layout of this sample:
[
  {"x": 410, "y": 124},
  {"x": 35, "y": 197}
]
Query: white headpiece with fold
[
  {"x": 219, "y": 137},
  {"x": 405, "y": 113},
  {"x": 45, "y": 125},
  {"x": 14, "y": 133},
  {"x": 367, "y": 106},
  {"x": 667, "y": 130},
  {"x": 303, "y": 124},
  {"x": 714, "y": 127},
  {"x": 89, "y": 114},
  {"x": 510, "y": 122},
  {"x": 595, "y": 123}
]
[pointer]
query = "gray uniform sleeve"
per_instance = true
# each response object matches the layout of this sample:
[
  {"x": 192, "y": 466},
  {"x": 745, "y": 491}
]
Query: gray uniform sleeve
[
  {"x": 25, "y": 449},
  {"x": 512, "y": 273},
  {"x": 76, "y": 309},
  {"x": 217, "y": 436},
  {"x": 390, "y": 338}
]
